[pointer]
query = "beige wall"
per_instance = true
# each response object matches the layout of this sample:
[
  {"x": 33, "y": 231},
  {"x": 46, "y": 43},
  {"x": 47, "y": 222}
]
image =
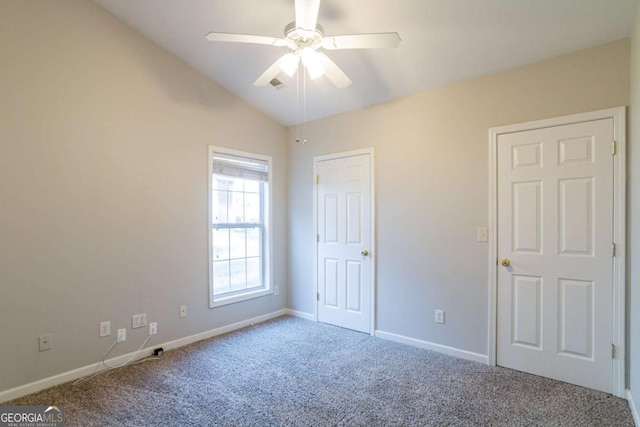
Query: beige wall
[
  {"x": 634, "y": 217},
  {"x": 431, "y": 153},
  {"x": 103, "y": 187}
]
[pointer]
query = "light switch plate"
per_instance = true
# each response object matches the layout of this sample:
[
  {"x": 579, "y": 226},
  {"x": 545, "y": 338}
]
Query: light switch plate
[{"x": 483, "y": 234}]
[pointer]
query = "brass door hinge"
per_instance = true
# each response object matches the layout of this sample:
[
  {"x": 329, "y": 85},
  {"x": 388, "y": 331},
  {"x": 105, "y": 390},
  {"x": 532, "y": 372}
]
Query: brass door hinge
[
  {"x": 613, "y": 351},
  {"x": 317, "y": 179},
  {"x": 613, "y": 148},
  {"x": 613, "y": 249},
  {"x": 318, "y": 296}
]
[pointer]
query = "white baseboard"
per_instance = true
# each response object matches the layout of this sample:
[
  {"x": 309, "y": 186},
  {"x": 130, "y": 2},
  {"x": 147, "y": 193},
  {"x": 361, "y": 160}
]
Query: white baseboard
[
  {"x": 451, "y": 351},
  {"x": 75, "y": 374},
  {"x": 301, "y": 314},
  {"x": 634, "y": 408}
]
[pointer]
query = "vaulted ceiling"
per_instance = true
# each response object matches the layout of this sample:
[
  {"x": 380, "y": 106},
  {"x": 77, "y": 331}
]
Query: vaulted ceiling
[{"x": 443, "y": 41}]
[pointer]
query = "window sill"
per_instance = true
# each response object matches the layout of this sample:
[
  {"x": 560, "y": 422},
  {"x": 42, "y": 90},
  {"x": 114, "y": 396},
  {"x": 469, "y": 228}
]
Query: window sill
[{"x": 220, "y": 301}]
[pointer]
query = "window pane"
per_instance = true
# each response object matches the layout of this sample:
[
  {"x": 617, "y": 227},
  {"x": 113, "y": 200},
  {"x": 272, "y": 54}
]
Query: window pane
[
  {"x": 252, "y": 207},
  {"x": 238, "y": 242},
  {"x": 236, "y": 207},
  {"x": 237, "y": 247},
  {"x": 254, "y": 278},
  {"x": 219, "y": 206},
  {"x": 253, "y": 241},
  {"x": 218, "y": 182},
  {"x": 235, "y": 184},
  {"x": 238, "y": 275},
  {"x": 220, "y": 277},
  {"x": 220, "y": 240},
  {"x": 251, "y": 186}
]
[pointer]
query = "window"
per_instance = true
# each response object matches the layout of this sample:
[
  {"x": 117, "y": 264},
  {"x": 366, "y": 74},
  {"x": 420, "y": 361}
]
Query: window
[{"x": 239, "y": 234}]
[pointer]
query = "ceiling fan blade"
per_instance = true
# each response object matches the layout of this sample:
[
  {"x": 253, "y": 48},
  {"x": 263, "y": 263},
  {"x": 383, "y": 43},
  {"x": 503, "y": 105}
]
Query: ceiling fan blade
[
  {"x": 307, "y": 14},
  {"x": 333, "y": 72},
  {"x": 244, "y": 38},
  {"x": 361, "y": 41},
  {"x": 271, "y": 73}
]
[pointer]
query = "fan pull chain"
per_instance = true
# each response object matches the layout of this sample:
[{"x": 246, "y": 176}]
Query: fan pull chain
[
  {"x": 304, "y": 105},
  {"x": 298, "y": 104}
]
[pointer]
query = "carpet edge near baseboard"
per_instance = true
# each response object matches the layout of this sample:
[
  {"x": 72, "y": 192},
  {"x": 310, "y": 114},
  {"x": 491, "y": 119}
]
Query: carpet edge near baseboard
[
  {"x": 451, "y": 351},
  {"x": 77, "y": 373},
  {"x": 633, "y": 408}
]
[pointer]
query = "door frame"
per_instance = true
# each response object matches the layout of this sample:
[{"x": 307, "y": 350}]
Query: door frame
[
  {"x": 372, "y": 251},
  {"x": 619, "y": 231}
]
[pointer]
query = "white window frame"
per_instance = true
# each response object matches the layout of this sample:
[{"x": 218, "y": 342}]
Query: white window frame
[{"x": 267, "y": 240}]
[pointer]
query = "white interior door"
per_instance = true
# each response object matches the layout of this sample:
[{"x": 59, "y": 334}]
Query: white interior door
[
  {"x": 555, "y": 228},
  {"x": 344, "y": 264}
]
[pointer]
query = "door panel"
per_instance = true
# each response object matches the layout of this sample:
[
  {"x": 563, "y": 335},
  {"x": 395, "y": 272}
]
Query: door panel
[
  {"x": 555, "y": 224},
  {"x": 344, "y": 230},
  {"x": 576, "y": 216},
  {"x": 331, "y": 282},
  {"x": 527, "y": 217},
  {"x": 576, "y": 318},
  {"x": 527, "y": 311},
  {"x": 354, "y": 286}
]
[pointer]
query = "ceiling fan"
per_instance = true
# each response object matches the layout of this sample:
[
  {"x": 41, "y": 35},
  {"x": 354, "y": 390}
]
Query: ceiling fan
[{"x": 304, "y": 37}]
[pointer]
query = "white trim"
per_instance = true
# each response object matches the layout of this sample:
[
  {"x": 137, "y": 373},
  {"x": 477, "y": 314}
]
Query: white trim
[
  {"x": 75, "y": 374},
  {"x": 315, "y": 239},
  {"x": 633, "y": 408},
  {"x": 316, "y": 160},
  {"x": 301, "y": 314},
  {"x": 451, "y": 351},
  {"x": 619, "y": 232},
  {"x": 267, "y": 230}
]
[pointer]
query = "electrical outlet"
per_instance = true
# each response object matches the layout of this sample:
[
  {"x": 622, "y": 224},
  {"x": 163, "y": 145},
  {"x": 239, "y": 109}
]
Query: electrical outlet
[
  {"x": 122, "y": 334},
  {"x": 439, "y": 316},
  {"x": 483, "y": 234},
  {"x": 153, "y": 328},
  {"x": 183, "y": 311},
  {"x": 44, "y": 342},
  {"x": 276, "y": 290},
  {"x": 105, "y": 329},
  {"x": 138, "y": 320}
]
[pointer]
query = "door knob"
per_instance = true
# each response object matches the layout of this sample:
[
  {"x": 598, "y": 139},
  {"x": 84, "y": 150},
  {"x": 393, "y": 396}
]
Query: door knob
[
  {"x": 364, "y": 253},
  {"x": 506, "y": 262}
]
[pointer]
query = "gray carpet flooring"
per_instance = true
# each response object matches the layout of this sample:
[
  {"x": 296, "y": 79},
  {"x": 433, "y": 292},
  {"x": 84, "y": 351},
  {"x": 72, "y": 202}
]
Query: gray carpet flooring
[{"x": 293, "y": 372}]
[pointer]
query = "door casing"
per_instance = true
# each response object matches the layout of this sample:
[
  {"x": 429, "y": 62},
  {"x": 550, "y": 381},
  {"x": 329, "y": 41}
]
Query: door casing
[
  {"x": 619, "y": 231},
  {"x": 372, "y": 255}
]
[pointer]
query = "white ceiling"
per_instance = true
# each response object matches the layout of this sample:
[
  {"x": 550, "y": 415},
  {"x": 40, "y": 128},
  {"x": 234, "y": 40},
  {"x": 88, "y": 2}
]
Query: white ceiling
[{"x": 443, "y": 41}]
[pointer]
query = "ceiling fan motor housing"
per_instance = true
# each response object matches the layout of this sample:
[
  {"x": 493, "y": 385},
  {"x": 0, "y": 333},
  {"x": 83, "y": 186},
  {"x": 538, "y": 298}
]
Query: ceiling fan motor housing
[{"x": 299, "y": 38}]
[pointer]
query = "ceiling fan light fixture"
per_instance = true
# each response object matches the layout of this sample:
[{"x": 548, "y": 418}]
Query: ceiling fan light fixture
[
  {"x": 312, "y": 62},
  {"x": 315, "y": 72},
  {"x": 289, "y": 63}
]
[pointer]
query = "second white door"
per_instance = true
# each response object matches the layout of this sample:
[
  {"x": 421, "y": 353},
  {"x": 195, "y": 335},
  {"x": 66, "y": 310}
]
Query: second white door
[
  {"x": 555, "y": 235},
  {"x": 344, "y": 263}
]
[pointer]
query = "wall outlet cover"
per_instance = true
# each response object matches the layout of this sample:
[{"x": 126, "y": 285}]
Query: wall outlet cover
[
  {"x": 105, "y": 329},
  {"x": 44, "y": 342},
  {"x": 138, "y": 320}
]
